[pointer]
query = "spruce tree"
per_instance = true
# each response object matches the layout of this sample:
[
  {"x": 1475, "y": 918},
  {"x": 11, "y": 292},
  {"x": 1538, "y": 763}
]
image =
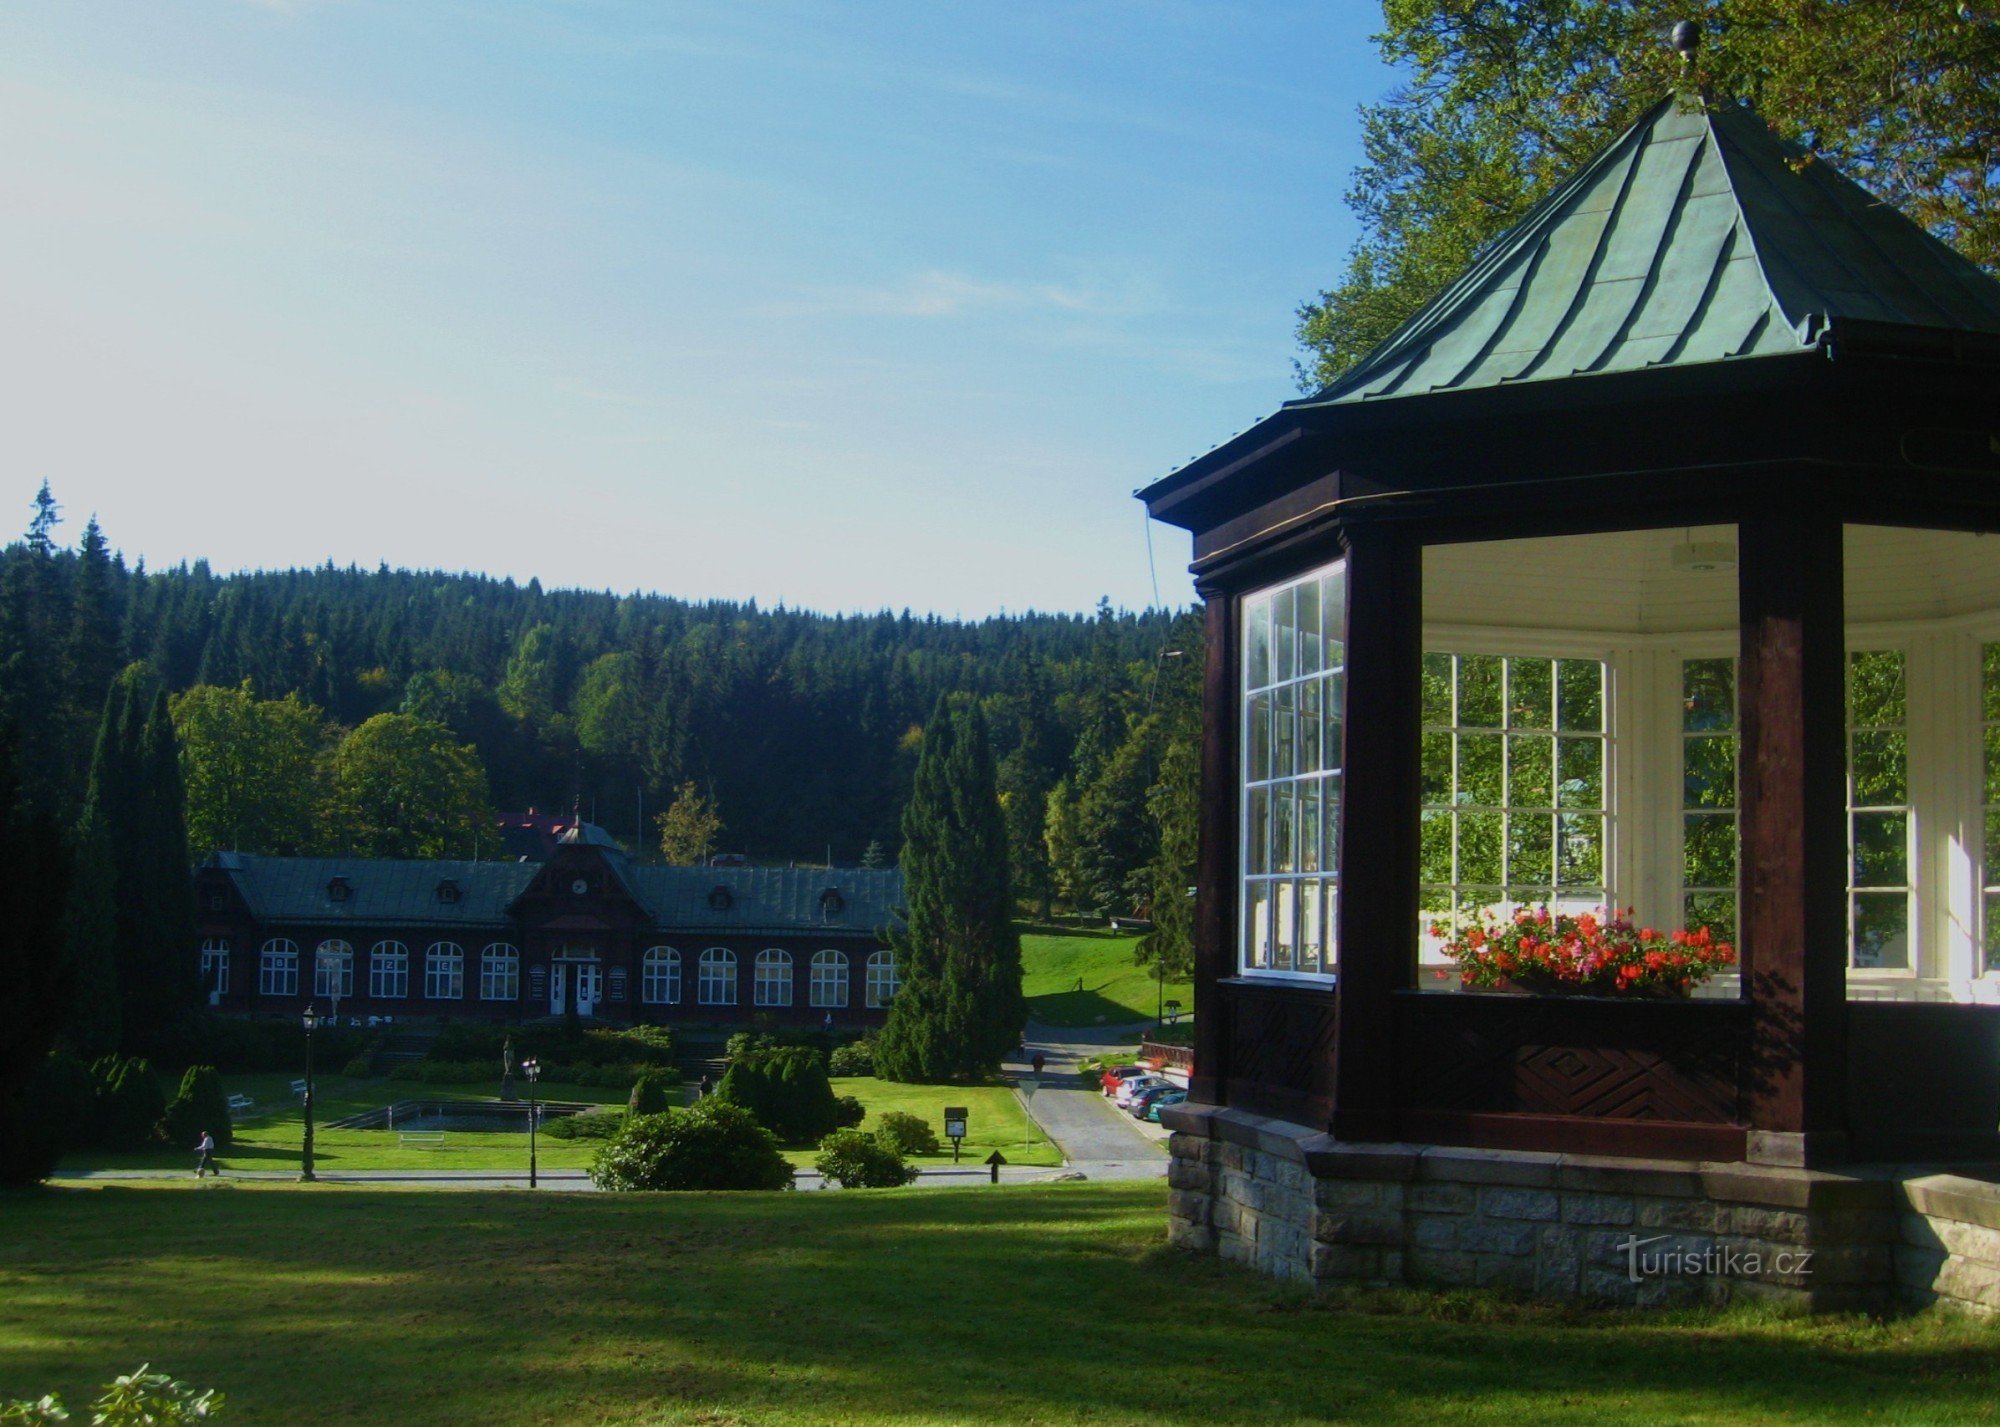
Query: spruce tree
[
  {"x": 34, "y": 884},
  {"x": 960, "y": 1007}
]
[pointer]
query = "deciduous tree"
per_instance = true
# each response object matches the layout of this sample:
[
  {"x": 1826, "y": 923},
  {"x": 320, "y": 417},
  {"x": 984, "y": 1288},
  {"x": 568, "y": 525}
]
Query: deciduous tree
[
  {"x": 689, "y": 828},
  {"x": 403, "y": 787}
]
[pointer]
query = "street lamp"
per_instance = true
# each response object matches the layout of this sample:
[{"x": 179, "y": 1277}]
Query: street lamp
[
  {"x": 311, "y": 1022},
  {"x": 533, "y": 1070},
  {"x": 1173, "y": 1013}
]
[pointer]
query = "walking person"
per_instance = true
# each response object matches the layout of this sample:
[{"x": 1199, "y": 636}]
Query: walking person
[
  {"x": 705, "y": 1087},
  {"x": 205, "y": 1156}
]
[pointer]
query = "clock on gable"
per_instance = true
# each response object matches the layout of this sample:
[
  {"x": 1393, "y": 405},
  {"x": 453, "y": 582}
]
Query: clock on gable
[{"x": 580, "y": 886}]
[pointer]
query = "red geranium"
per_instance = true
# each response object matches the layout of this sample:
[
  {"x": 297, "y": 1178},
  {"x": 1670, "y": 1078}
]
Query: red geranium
[{"x": 1602, "y": 954}]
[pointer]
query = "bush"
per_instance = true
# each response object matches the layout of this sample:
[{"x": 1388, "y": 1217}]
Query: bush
[
  {"x": 446, "y": 1073},
  {"x": 787, "y": 1090},
  {"x": 857, "y": 1161},
  {"x": 202, "y": 1104},
  {"x": 236, "y": 1046},
  {"x": 590, "y": 1125},
  {"x": 906, "y": 1134},
  {"x": 130, "y": 1104},
  {"x": 649, "y": 1095},
  {"x": 848, "y": 1111},
  {"x": 140, "y": 1399},
  {"x": 713, "y": 1145},
  {"x": 854, "y": 1058},
  {"x": 483, "y": 1045},
  {"x": 53, "y": 1113},
  {"x": 362, "y": 1067}
]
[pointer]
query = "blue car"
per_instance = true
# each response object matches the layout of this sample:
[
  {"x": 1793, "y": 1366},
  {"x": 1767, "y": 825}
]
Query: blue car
[
  {"x": 1142, "y": 1100},
  {"x": 1160, "y": 1102}
]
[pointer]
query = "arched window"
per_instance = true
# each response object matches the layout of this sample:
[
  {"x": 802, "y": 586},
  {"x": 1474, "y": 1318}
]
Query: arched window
[
  {"x": 499, "y": 973},
  {"x": 660, "y": 977},
  {"x": 444, "y": 972},
  {"x": 718, "y": 977},
  {"x": 389, "y": 971},
  {"x": 333, "y": 969},
  {"x": 882, "y": 979},
  {"x": 774, "y": 977},
  {"x": 215, "y": 966},
  {"x": 278, "y": 968},
  {"x": 829, "y": 980}
]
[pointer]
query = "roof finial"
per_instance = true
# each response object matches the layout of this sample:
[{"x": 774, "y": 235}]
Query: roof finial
[{"x": 1686, "y": 39}]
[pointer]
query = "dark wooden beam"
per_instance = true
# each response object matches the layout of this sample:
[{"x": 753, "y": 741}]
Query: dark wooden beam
[
  {"x": 1216, "y": 858},
  {"x": 1791, "y": 701},
  {"x": 1379, "y": 812}
]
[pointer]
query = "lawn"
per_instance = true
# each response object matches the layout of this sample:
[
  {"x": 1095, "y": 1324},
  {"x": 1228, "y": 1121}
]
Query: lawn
[
  {"x": 269, "y": 1138},
  {"x": 1116, "y": 990},
  {"x": 1048, "y": 1304}
]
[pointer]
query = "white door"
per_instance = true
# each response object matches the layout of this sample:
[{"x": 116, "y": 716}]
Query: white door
[
  {"x": 589, "y": 988},
  {"x": 556, "y": 985}
]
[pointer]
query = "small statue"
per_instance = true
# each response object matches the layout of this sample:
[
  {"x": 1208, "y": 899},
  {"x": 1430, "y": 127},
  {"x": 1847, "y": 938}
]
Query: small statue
[{"x": 507, "y": 1071}]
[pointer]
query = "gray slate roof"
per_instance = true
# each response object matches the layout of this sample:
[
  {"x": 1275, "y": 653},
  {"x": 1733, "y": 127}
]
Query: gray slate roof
[
  {"x": 1697, "y": 236},
  {"x": 767, "y": 898}
]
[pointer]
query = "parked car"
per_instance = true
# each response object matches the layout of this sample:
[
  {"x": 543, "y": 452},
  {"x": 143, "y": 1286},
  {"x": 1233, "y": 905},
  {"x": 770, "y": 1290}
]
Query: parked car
[
  {"x": 1136, "y": 1106},
  {"x": 1128, "y": 1088},
  {"x": 1111, "y": 1078},
  {"x": 1172, "y": 1097}
]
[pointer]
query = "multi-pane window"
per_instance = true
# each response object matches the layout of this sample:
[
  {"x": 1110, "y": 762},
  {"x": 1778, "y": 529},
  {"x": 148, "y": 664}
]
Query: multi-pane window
[
  {"x": 1989, "y": 880},
  {"x": 1708, "y": 796},
  {"x": 882, "y": 979},
  {"x": 718, "y": 977},
  {"x": 1878, "y": 809},
  {"x": 774, "y": 978},
  {"x": 499, "y": 973},
  {"x": 444, "y": 972},
  {"x": 215, "y": 965},
  {"x": 660, "y": 977},
  {"x": 829, "y": 980},
  {"x": 333, "y": 969},
  {"x": 278, "y": 968},
  {"x": 1513, "y": 783},
  {"x": 388, "y": 971},
  {"x": 1294, "y": 667}
]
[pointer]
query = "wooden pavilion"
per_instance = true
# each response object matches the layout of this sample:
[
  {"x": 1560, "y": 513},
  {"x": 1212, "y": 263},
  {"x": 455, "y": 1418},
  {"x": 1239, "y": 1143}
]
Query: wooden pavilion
[{"x": 1645, "y": 566}]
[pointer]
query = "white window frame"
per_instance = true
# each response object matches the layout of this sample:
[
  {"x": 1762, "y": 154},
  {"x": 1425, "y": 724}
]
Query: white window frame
[
  {"x": 444, "y": 971},
  {"x": 278, "y": 967},
  {"x": 333, "y": 969},
  {"x": 660, "y": 976},
  {"x": 215, "y": 965},
  {"x": 883, "y": 981},
  {"x": 499, "y": 972},
  {"x": 772, "y": 977},
  {"x": 717, "y": 977},
  {"x": 828, "y": 987},
  {"x": 389, "y": 971}
]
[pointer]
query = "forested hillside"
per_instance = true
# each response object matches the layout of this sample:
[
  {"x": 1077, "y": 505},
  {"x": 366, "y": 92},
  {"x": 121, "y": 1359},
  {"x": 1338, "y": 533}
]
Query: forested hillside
[{"x": 802, "y": 728}]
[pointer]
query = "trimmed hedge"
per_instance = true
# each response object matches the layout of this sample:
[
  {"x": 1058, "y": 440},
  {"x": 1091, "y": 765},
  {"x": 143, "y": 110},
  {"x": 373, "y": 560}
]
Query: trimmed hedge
[
  {"x": 854, "y": 1160},
  {"x": 786, "y": 1089},
  {"x": 713, "y": 1145},
  {"x": 201, "y": 1104}
]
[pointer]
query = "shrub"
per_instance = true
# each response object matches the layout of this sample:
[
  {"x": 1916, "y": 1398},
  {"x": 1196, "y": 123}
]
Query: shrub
[
  {"x": 857, "y": 1161},
  {"x": 360, "y": 1068},
  {"x": 591, "y": 1125},
  {"x": 140, "y": 1399},
  {"x": 649, "y": 1095},
  {"x": 484, "y": 1045},
  {"x": 202, "y": 1104},
  {"x": 446, "y": 1072},
  {"x": 848, "y": 1111},
  {"x": 787, "y": 1090},
  {"x": 854, "y": 1058},
  {"x": 906, "y": 1134},
  {"x": 713, "y": 1145},
  {"x": 129, "y": 1104},
  {"x": 55, "y": 1112},
  {"x": 235, "y": 1046}
]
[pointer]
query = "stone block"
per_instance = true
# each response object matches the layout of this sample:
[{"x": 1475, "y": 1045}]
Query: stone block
[
  {"x": 1345, "y": 1261},
  {"x": 1392, "y": 1265},
  {"x": 1515, "y": 1275},
  {"x": 1842, "y": 1264},
  {"x": 1187, "y": 1118},
  {"x": 1500, "y": 1202},
  {"x": 1698, "y": 1215},
  {"x": 1597, "y": 1209},
  {"x": 1431, "y": 1231},
  {"x": 1445, "y": 1268},
  {"x": 1347, "y": 1194},
  {"x": 1532, "y": 1169},
  {"x": 1291, "y": 1176},
  {"x": 1967, "y": 1241},
  {"x": 1184, "y": 1204},
  {"x": 1234, "y": 1248},
  {"x": 1767, "y": 1261},
  {"x": 1197, "y": 1238},
  {"x": 1953, "y": 1196},
  {"x": 1608, "y": 1247},
  {"x": 1283, "y": 1248},
  {"x": 1782, "y": 1226},
  {"x": 1439, "y": 1199},
  {"x": 1853, "y": 1226},
  {"x": 1328, "y": 1158},
  {"x": 1607, "y": 1174},
  {"x": 1557, "y": 1279},
  {"x": 1560, "y": 1247},
  {"x": 1968, "y": 1282},
  {"x": 1359, "y": 1226},
  {"x": 1606, "y": 1285},
  {"x": 1189, "y": 1175},
  {"x": 1487, "y": 1236},
  {"x": 1919, "y": 1268},
  {"x": 1781, "y": 1187}
]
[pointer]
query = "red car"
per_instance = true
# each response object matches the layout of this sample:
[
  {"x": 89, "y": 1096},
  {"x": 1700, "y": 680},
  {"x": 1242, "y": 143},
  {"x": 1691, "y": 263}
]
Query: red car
[{"x": 1111, "y": 1078}]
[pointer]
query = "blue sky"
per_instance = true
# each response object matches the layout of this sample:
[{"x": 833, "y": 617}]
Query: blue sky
[{"x": 844, "y": 306}]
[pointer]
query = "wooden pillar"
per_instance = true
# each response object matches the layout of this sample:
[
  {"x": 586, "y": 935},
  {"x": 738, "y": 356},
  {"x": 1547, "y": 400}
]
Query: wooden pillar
[
  {"x": 1379, "y": 815},
  {"x": 1216, "y": 857},
  {"x": 1792, "y": 786}
]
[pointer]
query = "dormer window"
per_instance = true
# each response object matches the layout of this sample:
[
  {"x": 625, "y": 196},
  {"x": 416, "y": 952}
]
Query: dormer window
[
  {"x": 339, "y": 890},
  {"x": 831, "y": 903},
  {"x": 448, "y": 893},
  {"x": 721, "y": 899}
]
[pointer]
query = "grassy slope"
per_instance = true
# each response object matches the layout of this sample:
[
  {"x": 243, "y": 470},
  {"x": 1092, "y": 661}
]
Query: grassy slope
[
  {"x": 1116, "y": 990},
  {"x": 344, "y": 1305}
]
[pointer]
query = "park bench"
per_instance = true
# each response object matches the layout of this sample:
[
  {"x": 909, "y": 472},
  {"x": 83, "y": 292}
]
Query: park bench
[
  {"x": 421, "y": 1137},
  {"x": 299, "y": 1088},
  {"x": 238, "y": 1104}
]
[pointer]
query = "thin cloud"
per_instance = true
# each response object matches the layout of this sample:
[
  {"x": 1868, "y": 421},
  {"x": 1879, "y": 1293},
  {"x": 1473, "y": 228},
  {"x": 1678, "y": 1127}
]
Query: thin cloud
[{"x": 936, "y": 293}]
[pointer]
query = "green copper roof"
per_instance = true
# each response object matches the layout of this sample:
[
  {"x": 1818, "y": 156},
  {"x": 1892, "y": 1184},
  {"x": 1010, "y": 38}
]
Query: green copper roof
[{"x": 1697, "y": 237}]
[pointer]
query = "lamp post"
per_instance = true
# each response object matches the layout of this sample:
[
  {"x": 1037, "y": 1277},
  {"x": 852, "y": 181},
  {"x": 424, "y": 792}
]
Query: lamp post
[
  {"x": 311, "y": 1022},
  {"x": 1173, "y": 1013},
  {"x": 533, "y": 1070}
]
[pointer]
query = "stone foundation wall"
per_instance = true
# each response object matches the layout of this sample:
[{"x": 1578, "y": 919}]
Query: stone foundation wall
[{"x": 1304, "y": 1206}]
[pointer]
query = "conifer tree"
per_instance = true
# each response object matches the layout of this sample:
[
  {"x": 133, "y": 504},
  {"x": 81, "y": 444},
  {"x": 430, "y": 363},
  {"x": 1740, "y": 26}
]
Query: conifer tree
[
  {"x": 960, "y": 1007},
  {"x": 34, "y": 883}
]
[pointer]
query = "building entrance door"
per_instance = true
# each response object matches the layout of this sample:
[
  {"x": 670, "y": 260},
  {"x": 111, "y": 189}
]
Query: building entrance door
[
  {"x": 589, "y": 988},
  {"x": 558, "y": 988}
]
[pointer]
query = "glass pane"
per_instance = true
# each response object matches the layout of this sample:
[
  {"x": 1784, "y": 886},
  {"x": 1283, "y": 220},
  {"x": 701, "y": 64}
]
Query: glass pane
[
  {"x": 1257, "y": 659},
  {"x": 1285, "y": 941},
  {"x": 1436, "y": 775},
  {"x": 1708, "y": 773},
  {"x": 1529, "y": 848},
  {"x": 1257, "y": 733},
  {"x": 1881, "y": 857},
  {"x": 1530, "y": 771},
  {"x": 1479, "y": 769},
  {"x": 1310, "y": 647},
  {"x": 1284, "y": 633},
  {"x": 1989, "y": 658},
  {"x": 1580, "y": 851},
  {"x": 1309, "y": 826},
  {"x": 1437, "y": 690},
  {"x": 1309, "y": 727},
  {"x": 1993, "y": 848},
  {"x": 1881, "y": 930},
  {"x": 1479, "y": 691},
  {"x": 1434, "y": 849},
  {"x": 1309, "y": 926},
  {"x": 1875, "y": 687},
  {"x": 1329, "y": 842},
  {"x": 1284, "y": 732},
  {"x": 1479, "y": 848},
  {"x": 1284, "y": 829},
  {"x": 1331, "y": 750},
  {"x": 1256, "y": 926},
  {"x": 1582, "y": 772},
  {"x": 1530, "y": 693},
  {"x": 1333, "y": 617},
  {"x": 1257, "y": 856},
  {"x": 1708, "y": 850},
  {"x": 1992, "y": 760},
  {"x": 1876, "y": 762},
  {"x": 1714, "y": 910},
  {"x": 1580, "y": 696},
  {"x": 1708, "y": 695}
]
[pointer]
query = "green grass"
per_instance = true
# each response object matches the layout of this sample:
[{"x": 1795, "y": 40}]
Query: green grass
[
  {"x": 1116, "y": 991},
  {"x": 347, "y": 1305},
  {"x": 271, "y": 1138}
]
